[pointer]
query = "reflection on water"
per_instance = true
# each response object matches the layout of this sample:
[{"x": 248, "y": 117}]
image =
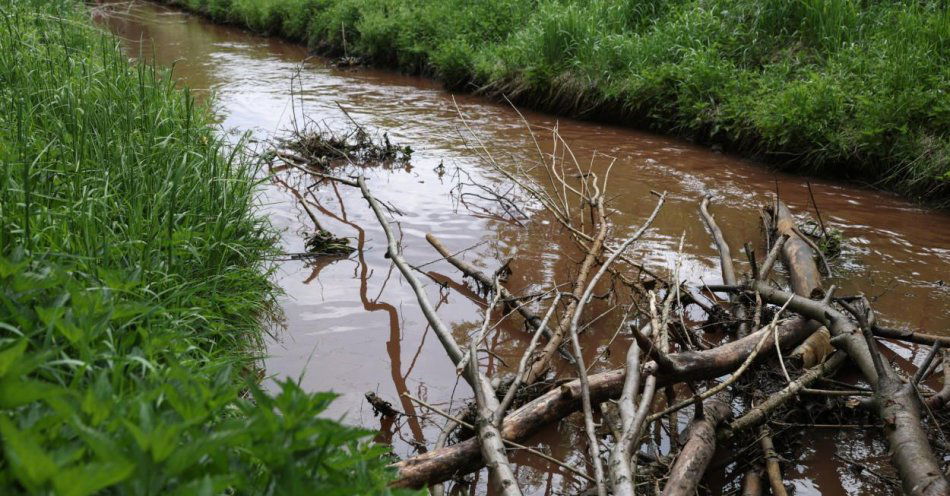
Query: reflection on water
[{"x": 353, "y": 326}]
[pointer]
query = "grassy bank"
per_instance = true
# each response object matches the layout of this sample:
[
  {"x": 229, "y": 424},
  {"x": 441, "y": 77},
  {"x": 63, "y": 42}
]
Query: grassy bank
[
  {"x": 133, "y": 285},
  {"x": 836, "y": 87}
]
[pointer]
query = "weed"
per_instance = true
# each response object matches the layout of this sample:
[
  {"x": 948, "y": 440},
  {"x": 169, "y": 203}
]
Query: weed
[
  {"x": 133, "y": 289},
  {"x": 836, "y": 87}
]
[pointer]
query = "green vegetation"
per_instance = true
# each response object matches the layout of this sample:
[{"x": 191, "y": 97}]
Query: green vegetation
[
  {"x": 133, "y": 289},
  {"x": 854, "y": 88}
]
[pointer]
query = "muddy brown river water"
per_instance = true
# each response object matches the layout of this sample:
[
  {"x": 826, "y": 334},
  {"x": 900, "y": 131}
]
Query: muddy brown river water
[{"x": 352, "y": 325}]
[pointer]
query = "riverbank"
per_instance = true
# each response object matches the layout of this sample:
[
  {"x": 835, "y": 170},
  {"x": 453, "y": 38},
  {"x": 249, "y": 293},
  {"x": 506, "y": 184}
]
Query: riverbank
[
  {"x": 134, "y": 288},
  {"x": 835, "y": 88}
]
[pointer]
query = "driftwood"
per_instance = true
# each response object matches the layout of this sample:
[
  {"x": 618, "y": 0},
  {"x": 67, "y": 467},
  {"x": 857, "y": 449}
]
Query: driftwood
[
  {"x": 458, "y": 459},
  {"x": 825, "y": 333},
  {"x": 492, "y": 448},
  {"x": 897, "y": 402},
  {"x": 697, "y": 452}
]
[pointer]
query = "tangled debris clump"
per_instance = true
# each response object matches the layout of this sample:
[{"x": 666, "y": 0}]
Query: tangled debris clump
[
  {"x": 323, "y": 242},
  {"x": 316, "y": 148},
  {"x": 322, "y": 148}
]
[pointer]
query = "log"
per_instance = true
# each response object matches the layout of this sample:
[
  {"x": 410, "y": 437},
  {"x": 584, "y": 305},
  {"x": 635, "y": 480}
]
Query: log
[
  {"x": 803, "y": 275},
  {"x": 814, "y": 350},
  {"x": 897, "y": 403},
  {"x": 752, "y": 482},
  {"x": 700, "y": 446},
  {"x": 459, "y": 459},
  {"x": 758, "y": 414},
  {"x": 797, "y": 255},
  {"x": 910, "y": 336}
]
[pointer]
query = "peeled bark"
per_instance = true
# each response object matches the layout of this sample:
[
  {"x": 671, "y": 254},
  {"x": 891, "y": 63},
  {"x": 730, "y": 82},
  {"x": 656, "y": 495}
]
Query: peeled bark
[
  {"x": 799, "y": 258},
  {"x": 814, "y": 350},
  {"x": 698, "y": 451}
]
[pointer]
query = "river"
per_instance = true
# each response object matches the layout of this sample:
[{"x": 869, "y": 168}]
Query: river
[{"x": 352, "y": 325}]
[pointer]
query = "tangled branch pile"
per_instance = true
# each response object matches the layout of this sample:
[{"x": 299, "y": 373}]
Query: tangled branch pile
[{"x": 781, "y": 336}]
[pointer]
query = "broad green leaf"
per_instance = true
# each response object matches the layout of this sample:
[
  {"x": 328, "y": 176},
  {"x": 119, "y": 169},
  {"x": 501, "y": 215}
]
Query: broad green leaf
[
  {"x": 102, "y": 445},
  {"x": 141, "y": 438},
  {"x": 11, "y": 355},
  {"x": 164, "y": 441},
  {"x": 50, "y": 315},
  {"x": 16, "y": 392},
  {"x": 88, "y": 479},
  {"x": 29, "y": 462},
  {"x": 70, "y": 330}
]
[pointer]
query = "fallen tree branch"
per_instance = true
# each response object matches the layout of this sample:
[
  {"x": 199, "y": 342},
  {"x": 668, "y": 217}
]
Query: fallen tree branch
[
  {"x": 772, "y": 468},
  {"x": 805, "y": 279},
  {"x": 473, "y": 272},
  {"x": 464, "y": 457},
  {"x": 578, "y": 353},
  {"x": 910, "y": 336},
  {"x": 758, "y": 414},
  {"x": 489, "y": 437},
  {"x": 764, "y": 334},
  {"x": 943, "y": 396},
  {"x": 457, "y": 421},
  {"x": 897, "y": 401},
  {"x": 700, "y": 445},
  {"x": 523, "y": 363}
]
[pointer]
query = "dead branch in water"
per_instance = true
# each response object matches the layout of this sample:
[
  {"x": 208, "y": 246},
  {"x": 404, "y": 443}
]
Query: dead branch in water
[{"x": 668, "y": 351}]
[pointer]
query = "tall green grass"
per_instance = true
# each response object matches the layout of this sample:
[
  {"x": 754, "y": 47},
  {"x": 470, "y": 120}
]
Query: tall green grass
[
  {"x": 134, "y": 288},
  {"x": 854, "y": 88}
]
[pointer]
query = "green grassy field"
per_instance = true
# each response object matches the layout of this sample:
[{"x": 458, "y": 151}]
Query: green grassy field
[
  {"x": 848, "y": 88},
  {"x": 134, "y": 289}
]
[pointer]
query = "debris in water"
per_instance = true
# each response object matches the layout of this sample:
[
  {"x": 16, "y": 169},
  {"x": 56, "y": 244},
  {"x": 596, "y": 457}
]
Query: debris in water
[
  {"x": 323, "y": 242},
  {"x": 322, "y": 149},
  {"x": 380, "y": 406}
]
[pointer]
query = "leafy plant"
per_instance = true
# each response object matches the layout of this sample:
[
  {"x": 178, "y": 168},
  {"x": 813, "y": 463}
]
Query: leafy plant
[
  {"x": 837, "y": 87},
  {"x": 134, "y": 289}
]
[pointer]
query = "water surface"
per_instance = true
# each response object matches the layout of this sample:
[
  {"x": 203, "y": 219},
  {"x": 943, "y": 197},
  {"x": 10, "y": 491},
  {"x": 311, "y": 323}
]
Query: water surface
[{"x": 352, "y": 325}]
